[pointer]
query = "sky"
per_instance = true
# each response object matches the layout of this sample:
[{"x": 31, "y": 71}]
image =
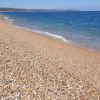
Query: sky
[{"x": 52, "y": 4}]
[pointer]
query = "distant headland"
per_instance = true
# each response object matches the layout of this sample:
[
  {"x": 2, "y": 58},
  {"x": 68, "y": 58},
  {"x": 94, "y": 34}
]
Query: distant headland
[{"x": 31, "y": 10}]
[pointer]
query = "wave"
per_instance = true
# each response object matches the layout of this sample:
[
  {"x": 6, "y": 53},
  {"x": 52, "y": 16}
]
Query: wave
[
  {"x": 8, "y": 19},
  {"x": 57, "y": 36},
  {"x": 45, "y": 33}
]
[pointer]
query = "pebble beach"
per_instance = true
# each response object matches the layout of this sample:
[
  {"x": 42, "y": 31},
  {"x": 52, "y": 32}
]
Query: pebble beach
[{"x": 37, "y": 67}]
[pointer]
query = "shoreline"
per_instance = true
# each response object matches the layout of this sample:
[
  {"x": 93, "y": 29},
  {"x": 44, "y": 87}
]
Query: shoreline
[
  {"x": 37, "y": 66},
  {"x": 50, "y": 35}
]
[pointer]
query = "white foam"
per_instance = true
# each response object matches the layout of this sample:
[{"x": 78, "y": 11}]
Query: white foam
[
  {"x": 45, "y": 33},
  {"x": 6, "y": 17},
  {"x": 11, "y": 20},
  {"x": 57, "y": 36}
]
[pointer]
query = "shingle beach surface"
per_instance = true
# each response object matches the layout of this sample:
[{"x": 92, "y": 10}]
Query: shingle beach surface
[{"x": 35, "y": 67}]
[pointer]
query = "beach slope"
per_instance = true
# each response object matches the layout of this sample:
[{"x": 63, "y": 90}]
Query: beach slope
[{"x": 33, "y": 66}]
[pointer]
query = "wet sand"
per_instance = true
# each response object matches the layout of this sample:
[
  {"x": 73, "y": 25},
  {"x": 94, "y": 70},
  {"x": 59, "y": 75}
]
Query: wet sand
[{"x": 37, "y": 67}]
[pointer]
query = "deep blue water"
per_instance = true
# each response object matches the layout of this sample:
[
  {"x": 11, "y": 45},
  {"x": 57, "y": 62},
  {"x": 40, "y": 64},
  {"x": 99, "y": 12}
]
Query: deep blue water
[{"x": 80, "y": 28}]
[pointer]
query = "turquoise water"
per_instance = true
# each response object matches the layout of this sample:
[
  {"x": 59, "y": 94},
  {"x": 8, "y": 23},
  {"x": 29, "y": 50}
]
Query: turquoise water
[{"x": 80, "y": 28}]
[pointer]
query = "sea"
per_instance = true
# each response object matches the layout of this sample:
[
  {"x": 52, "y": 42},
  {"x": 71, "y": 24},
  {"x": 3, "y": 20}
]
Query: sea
[{"x": 81, "y": 28}]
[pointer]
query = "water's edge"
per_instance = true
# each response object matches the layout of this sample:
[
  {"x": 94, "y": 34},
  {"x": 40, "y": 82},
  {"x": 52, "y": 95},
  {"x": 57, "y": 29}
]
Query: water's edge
[
  {"x": 36, "y": 31},
  {"x": 10, "y": 21}
]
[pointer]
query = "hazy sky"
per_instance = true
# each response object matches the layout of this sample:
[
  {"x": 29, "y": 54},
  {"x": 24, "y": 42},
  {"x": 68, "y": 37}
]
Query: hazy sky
[{"x": 52, "y": 4}]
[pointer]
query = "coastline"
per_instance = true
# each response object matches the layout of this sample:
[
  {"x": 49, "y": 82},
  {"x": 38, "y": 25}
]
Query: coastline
[
  {"x": 79, "y": 38},
  {"x": 50, "y": 35},
  {"x": 46, "y": 64}
]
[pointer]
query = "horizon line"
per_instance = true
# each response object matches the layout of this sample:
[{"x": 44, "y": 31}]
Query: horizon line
[{"x": 45, "y": 9}]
